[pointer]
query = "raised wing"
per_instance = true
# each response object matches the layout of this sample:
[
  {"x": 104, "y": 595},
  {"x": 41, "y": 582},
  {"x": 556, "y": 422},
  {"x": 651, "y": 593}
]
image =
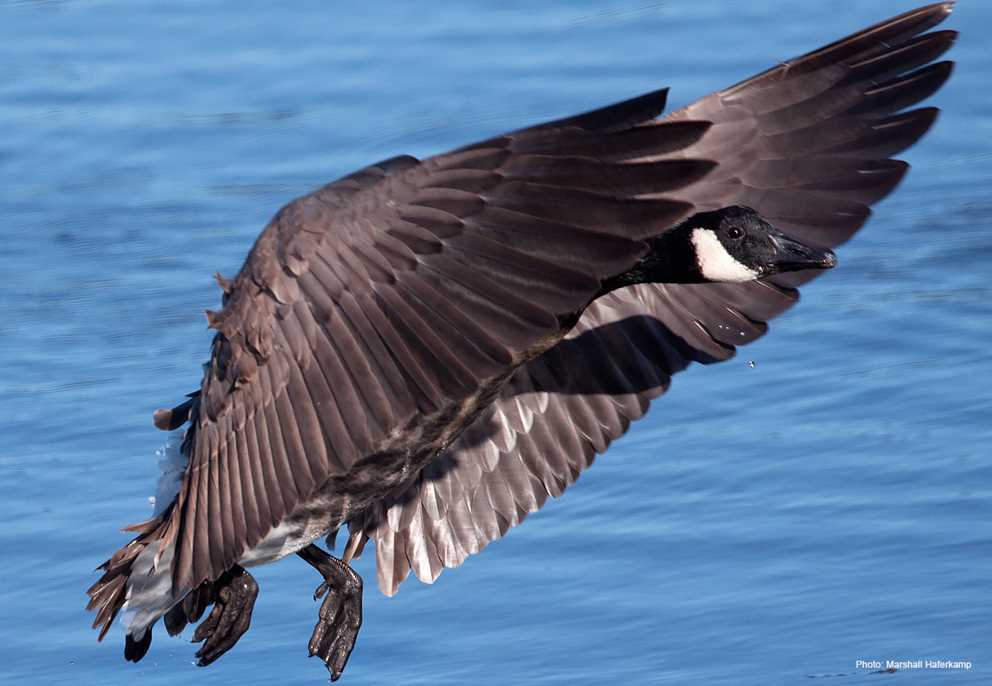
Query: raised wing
[
  {"x": 402, "y": 290},
  {"x": 807, "y": 144}
]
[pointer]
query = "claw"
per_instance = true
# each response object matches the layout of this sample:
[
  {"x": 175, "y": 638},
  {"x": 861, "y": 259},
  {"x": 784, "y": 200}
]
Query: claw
[{"x": 319, "y": 592}]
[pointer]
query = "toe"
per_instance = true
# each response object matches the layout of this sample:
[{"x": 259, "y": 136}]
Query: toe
[{"x": 207, "y": 626}]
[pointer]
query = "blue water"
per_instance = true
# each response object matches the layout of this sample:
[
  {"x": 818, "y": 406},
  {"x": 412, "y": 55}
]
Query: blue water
[{"x": 766, "y": 524}]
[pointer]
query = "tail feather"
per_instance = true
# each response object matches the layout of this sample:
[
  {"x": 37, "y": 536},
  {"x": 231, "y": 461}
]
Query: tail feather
[
  {"x": 109, "y": 594},
  {"x": 138, "y": 580},
  {"x": 138, "y": 577},
  {"x": 106, "y": 598}
]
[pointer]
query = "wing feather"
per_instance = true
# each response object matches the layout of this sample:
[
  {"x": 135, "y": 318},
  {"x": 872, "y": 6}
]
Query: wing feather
[
  {"x": 806, "y": 144},
  {"x": 403, "y": 288}
]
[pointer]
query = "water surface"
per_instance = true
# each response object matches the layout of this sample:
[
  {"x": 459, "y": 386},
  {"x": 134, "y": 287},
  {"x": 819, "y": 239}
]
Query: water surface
[{"x": 765, "y": 524}]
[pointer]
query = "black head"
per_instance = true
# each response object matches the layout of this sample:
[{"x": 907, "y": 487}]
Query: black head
[{"x": 736, "y": 244}]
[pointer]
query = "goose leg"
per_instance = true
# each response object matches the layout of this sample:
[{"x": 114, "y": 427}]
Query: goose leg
[
  {"x": 340, "y": 613},
  {"x": 234, "y": 596}
]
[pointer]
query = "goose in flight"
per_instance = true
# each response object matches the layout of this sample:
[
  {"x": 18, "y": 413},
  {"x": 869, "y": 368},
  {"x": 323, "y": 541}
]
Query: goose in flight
[{"x": 425, "y": 350}]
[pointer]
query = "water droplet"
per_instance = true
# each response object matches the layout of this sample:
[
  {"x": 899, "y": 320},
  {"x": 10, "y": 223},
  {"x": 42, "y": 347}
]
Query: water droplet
[{"x": 752, "y": 364}]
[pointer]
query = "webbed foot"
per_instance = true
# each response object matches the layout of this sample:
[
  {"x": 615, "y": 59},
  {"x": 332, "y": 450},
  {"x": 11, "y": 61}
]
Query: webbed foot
[
  {"x": 234, "y": 599},
  {"x": 341, "y": 612}
]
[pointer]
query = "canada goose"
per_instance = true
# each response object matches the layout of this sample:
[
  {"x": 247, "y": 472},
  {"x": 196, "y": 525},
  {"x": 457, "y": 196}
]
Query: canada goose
[{"x": 425, "y": 350}]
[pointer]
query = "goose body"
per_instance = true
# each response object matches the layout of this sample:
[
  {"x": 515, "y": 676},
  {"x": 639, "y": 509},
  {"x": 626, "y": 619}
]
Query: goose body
[{"x": 426, "y": 350}]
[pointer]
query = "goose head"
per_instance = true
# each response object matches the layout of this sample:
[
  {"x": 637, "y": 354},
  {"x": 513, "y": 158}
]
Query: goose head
[
  {"x": 736, "y": 244},
  {"x": 730, "y": 245}
]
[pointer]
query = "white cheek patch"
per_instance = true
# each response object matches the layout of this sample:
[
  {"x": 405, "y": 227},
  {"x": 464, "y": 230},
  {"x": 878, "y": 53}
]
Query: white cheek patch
[{"x": 715, "y": 263}]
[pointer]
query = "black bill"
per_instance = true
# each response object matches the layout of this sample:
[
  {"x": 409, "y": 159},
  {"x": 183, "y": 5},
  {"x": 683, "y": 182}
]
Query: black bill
[{"x": 789, "y": 255}]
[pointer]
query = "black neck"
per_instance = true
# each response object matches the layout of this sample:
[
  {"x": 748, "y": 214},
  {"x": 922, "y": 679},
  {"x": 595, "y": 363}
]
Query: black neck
[{"x": 671, "y": 258}]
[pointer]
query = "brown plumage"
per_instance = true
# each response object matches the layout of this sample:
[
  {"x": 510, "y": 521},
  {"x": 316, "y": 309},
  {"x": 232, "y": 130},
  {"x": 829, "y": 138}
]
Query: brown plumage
[{"x": 412, "y": 350}]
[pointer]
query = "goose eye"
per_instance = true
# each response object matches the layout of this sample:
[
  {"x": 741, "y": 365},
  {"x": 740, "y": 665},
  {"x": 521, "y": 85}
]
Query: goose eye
[{"x": 735, "y": 232}]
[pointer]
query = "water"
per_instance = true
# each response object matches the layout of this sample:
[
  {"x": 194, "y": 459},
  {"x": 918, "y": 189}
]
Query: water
[{"x": 764, "y": 525}]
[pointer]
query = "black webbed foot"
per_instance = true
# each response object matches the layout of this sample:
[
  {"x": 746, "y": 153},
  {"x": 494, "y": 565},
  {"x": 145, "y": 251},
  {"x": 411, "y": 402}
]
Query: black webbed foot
[
  {"x": 341, "y": 612},
  {"x": 234, "y": 599}
]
